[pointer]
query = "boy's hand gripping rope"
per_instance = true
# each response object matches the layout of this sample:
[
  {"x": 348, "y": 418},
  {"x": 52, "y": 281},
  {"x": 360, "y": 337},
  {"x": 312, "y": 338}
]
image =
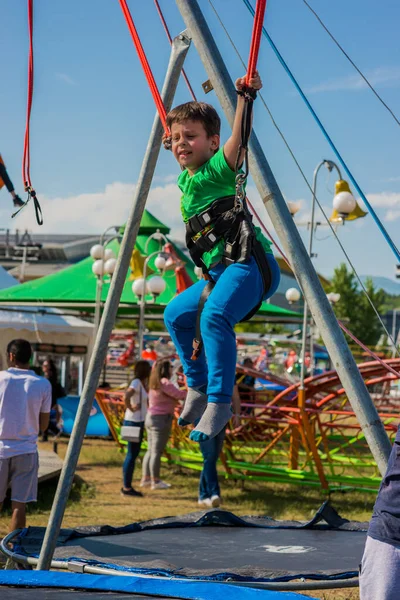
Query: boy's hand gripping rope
[
  {"x": 249, "y": 95},
  {"x": 26, "y": 177}
]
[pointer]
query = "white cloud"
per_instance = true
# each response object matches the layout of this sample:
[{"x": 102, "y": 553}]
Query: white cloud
[
  {"x": 392, "y": 215},
  {"x": 380, "y": 77},
  {"x": 389, "y": 200},
  {"x": 391, "y": 179},
  {"x": 66, "y": 78},
  {"x": 94, "y": 212}
]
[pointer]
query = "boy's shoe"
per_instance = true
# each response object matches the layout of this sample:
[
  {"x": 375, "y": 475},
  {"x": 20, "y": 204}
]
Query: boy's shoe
[
  {"x": 18, "y": 203},
  {"x": 160, "y": 485},
  {"x": 145, "y": 483},
  {"x": 205, "y": 502},
  {"x": 131, "y": 492},
  {"x": 215, "y": 501}
]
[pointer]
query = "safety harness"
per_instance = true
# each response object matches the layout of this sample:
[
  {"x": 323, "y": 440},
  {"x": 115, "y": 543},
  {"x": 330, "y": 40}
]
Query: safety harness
[{"x": 228, "y": 219}]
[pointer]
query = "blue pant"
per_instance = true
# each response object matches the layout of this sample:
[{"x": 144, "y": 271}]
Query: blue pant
[
  {"x": 132, "y": 454},
  {"x": 210, "y": 449},
  {"x": 238, "y": 289}
]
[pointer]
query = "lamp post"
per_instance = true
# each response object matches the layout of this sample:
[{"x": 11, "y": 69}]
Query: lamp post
[
  {"x": 104, "y": 264},
  {"x": 344, "y": 203},
  {"x": 155, "y": 285}
]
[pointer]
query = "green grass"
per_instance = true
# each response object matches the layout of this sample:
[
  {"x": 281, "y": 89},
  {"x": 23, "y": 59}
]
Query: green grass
[{"x": 95, "y": 498}]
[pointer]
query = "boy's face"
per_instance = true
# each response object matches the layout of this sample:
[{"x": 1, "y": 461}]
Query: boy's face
[{"x": 191, "y": 146}]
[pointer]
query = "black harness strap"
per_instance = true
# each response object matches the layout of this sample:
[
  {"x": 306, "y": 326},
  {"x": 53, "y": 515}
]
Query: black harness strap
[
  {"x": 228, "y": 219},
  {"x": 198, "y": 341}
]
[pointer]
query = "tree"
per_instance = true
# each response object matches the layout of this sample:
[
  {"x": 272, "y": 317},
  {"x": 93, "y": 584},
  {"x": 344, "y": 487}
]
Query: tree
[{"x": 355, "y": 308}]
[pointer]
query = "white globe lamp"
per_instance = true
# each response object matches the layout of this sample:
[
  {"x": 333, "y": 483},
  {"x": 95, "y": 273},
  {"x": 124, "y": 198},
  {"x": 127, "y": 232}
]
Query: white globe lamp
[
  {"x": 139, "y": 287},
  {"x": 156, "y": 285},
  {"x": 160, "y": 262},
  {"x": 108, "y": 253},
  {"x": 333, "y": 297},
  {"x": 97, "y": 252},
  {"x": 344, "y": 203},
  {"x": 292, "y": 295},
  {"x": 293, "y": 207},
  {"x": 98, "y": 268},
  {"x": 109, "y": 266}
]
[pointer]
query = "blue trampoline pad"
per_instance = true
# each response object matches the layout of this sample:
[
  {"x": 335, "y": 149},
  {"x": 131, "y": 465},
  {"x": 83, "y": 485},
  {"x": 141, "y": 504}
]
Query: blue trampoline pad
[{"x": 49, "y": 585}]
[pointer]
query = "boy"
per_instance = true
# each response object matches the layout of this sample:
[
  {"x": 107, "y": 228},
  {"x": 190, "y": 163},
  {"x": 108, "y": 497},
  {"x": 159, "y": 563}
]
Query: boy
[{"x": 208, "y": 175}]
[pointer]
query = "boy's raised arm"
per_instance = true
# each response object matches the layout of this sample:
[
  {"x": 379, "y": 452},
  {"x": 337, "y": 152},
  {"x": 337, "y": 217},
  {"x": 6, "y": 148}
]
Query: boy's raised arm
[{"x": 231, "y": 147}]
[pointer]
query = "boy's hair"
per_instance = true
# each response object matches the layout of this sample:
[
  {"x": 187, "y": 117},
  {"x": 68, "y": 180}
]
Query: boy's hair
[
  {"x": 161, "y": 369},
  {"x": 196, "y": 111},
  {"x": 21, "y": 349}
]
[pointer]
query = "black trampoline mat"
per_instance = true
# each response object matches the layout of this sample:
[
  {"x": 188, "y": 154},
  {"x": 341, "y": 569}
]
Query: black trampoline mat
[
  {"x": 12, "y": 593},
  {"x": 203, "y": 550}
]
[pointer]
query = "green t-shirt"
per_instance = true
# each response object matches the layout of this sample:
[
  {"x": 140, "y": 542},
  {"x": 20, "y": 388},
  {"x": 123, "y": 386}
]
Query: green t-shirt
[{"x": 215, "y": 179}]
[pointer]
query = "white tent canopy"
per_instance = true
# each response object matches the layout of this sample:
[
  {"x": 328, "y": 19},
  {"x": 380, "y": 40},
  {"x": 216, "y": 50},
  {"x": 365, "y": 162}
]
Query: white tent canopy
[{"x": 51, "y": 327}]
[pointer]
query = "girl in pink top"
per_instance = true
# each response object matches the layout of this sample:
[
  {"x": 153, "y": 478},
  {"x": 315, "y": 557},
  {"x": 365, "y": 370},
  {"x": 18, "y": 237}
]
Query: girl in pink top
[{"x": 163, "y": 397}]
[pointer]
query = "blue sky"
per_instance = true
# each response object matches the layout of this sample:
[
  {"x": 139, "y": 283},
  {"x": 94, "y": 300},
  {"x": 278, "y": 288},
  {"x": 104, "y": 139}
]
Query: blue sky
[{"x": 93, "y": 111}]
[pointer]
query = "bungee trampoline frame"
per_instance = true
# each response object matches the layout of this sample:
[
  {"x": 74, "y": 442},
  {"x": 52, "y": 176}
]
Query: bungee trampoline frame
[{"x": 326, "y": 519}]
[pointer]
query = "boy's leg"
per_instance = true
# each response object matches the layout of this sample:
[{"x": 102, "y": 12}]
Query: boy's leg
[
  {"x": 180, "y": 320},
  {"x": 238, "y": 289}
]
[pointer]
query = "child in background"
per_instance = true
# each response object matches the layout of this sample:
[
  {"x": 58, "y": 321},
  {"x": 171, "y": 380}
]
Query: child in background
[
  {"x": 135, "y": 415},
  {"x": 163, "y": 397},
  {"x": 209, "y": 175}
]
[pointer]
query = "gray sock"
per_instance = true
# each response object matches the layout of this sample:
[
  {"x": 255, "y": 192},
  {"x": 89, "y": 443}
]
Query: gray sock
[
  {"x": 214, "y": 419},
  {"x": 195, "y": 405}
]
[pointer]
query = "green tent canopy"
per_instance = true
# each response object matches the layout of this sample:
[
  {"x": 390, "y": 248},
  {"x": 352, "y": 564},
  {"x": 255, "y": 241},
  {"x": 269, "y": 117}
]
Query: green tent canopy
[{"x": 75, "y": 287}]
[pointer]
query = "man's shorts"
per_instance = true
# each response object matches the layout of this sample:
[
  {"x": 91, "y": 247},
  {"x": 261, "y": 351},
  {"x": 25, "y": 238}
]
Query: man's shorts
[{"x": 20, "y": 473}]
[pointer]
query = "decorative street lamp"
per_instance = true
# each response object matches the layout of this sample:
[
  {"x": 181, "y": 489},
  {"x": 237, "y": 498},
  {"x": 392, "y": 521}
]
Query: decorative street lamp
[
  {"x": 333, "y": 298},
  {"x": 292, "y": 295},
  {"x": 344, "y": 207},
  {"x": 155, "y": 285},
  {"x": 105, "y": 263}
]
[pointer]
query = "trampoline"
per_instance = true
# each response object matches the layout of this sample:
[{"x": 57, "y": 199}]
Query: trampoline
[
  {"x": 212, "y": 546},
  {"x": 72, "y": 586}
]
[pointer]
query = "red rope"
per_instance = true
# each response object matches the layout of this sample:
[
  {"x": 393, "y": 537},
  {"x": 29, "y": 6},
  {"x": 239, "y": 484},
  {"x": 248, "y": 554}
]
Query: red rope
[
  {"x": 256, "y": 38},
  {"x": 163, "y": 21},
  {"x": 26, "y": 178},
  {"x": 145, "y": 64}
]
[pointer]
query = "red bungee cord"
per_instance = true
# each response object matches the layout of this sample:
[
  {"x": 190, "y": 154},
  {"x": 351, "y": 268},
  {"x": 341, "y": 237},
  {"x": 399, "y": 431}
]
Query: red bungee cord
[
  {"x": 26, "y": 160},
  {"x": 256, "y": 38},
  {"x": 145, "y": 64}
]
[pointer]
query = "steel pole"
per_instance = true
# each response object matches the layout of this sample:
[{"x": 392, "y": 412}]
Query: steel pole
[
  {"x": 301, "y": 264},
  {"x": 179, "y": 50}
]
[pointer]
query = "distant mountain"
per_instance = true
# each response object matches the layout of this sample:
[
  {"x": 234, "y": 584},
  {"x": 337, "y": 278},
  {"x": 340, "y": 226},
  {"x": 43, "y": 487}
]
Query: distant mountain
[{"x": 388, "y": 285}]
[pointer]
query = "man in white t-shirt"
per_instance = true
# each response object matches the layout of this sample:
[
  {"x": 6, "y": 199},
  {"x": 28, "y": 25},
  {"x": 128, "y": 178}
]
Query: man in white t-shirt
[{"x": 25, "y": 403}]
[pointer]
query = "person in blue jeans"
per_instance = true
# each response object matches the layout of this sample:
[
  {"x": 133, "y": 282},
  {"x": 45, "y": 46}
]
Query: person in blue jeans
[
  {"x": 209, "y": 490},
  {"x": 135, "y": 415},
  {"x": 233, "y": 254}
]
